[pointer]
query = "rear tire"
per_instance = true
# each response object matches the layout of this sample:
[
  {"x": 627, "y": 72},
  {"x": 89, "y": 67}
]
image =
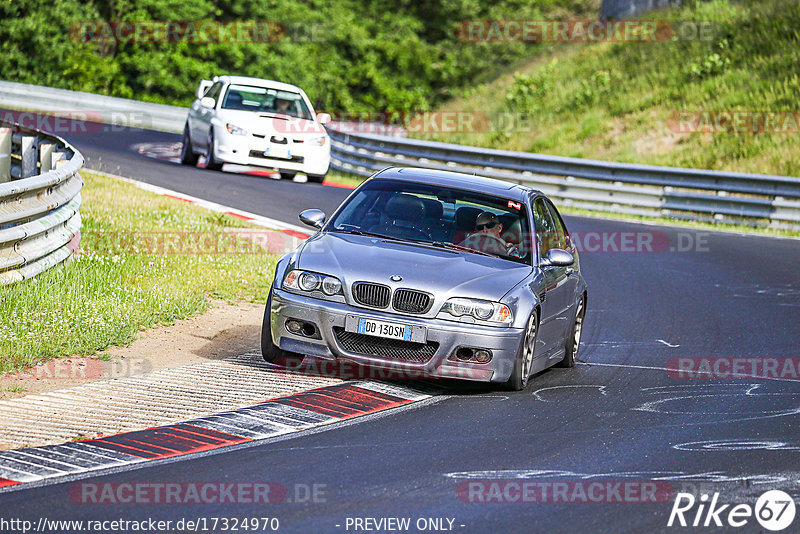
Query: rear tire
[
  {"x": 574, "y": 340},
  {"x": 269, "y": 351},
  {"x": 211, "y": 162},
  {"x": 316, "y": 178},
  {"x": 285, "y": 175},
  {"x": 188, "y": 157},
  {"x": 524, "y": 360}
]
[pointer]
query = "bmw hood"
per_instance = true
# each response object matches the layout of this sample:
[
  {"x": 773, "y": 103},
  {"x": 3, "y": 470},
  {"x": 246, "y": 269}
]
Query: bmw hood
[{"x": 445, "y": 273}]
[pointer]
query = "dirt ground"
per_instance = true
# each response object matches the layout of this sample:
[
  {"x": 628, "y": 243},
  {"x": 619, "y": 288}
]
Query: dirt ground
[{"x": 227, "y": 329}]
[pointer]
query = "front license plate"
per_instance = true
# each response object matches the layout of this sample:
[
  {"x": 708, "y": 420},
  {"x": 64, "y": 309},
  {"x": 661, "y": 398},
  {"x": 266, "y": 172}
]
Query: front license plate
[
  {"x": 278, "y": 152},
  {"x": 384, "y": 329}
]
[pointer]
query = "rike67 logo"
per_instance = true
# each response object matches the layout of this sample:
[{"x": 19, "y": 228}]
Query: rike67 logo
[{"x": 774, "y": 510}]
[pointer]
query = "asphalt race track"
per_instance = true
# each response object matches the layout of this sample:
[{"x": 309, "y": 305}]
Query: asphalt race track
[{"x": 619, "y": 416}]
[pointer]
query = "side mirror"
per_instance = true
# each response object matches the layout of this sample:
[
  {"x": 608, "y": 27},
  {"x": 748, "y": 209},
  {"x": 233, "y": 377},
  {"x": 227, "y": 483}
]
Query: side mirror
[
  {"x": 208, "y": 102},
  {"x": 203, "y": 87},
  {"x": 556, "y": 257},
  {"x": 323, "y": 118},
  {"x": 315, "y": 218}
]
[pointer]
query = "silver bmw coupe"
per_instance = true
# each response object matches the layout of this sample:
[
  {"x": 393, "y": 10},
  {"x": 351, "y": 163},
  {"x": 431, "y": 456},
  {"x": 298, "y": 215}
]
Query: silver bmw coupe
[{"x": 433, "y": 274}]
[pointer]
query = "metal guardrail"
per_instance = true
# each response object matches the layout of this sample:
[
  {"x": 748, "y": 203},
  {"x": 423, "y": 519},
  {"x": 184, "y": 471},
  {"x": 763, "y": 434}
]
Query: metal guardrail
[
  {"x": 96, "y": 108},
  {"x": 694, "y": 194},
  {"x": 620, "y": 9},
  {"x": 589, "y": 184},
  {"x": 39, "y": 202}
]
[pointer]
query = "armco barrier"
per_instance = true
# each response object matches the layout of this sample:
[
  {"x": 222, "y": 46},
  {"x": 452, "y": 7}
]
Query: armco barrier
[
  {"x": 694, "y": 194},
  {"x": 39, "y": 201},
  {"x": 98, "y": 108},
  {"x": 620, "y": 9},
  {"x": 647, "y": 190}
]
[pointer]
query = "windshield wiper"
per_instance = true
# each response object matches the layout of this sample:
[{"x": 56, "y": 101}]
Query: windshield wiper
[
  {"x": 367, "y": 234},
  {"x": 437, "y": 244},
  {"x": 452, "y": 246}
]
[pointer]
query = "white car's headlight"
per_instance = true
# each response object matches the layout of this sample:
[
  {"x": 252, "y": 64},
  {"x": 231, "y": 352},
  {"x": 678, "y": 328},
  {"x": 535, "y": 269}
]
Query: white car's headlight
[
  {"x": 482, "y": 310},
  {"x": 318, "y": 141},
  {"x": 235, "y": 130},
  {"x": 309, "y": 282}
]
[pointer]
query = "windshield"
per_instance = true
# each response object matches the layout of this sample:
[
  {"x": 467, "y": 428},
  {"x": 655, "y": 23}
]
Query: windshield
[
  {"x": 442, "y": 216},
  {"x": 264, "y": 100}
]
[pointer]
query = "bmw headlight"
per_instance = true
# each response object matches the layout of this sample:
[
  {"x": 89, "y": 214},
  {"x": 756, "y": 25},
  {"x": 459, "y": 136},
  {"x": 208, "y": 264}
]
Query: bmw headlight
[
  {"x": 310, "y": 282},
  {"x": 482, "y": 310},
  {"x": 319, "y": 141},
  {"x": 235, "y": 130}
]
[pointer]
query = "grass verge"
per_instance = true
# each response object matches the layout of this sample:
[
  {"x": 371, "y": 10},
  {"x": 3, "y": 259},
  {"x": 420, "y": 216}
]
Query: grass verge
[{"x": 113, "y": 290}]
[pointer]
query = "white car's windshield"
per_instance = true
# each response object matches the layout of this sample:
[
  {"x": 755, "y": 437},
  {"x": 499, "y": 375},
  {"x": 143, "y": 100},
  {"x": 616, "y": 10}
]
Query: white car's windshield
[
  {"x": 265, "y": 100},
  {"x": 439, "y": 215}
]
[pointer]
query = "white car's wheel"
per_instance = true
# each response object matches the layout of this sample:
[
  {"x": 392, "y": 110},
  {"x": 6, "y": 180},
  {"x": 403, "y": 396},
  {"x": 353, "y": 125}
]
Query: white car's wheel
[
  {"x": 188, "y": 157},
  {"x": 211, "y": 161}
]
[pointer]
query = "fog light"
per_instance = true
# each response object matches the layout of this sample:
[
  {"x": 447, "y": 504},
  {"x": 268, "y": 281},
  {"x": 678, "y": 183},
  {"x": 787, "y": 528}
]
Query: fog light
[
  {"x": 294, "y": 326},
  {"x": 464, "y": 354},
  {"x": 482, "y": 356},
  {"x": 309, "y": 330}
]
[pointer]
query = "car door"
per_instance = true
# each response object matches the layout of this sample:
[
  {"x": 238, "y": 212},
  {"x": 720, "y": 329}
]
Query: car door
[
  {"x": 553, "y": 291},
  {"x": 570, "y": 284}
]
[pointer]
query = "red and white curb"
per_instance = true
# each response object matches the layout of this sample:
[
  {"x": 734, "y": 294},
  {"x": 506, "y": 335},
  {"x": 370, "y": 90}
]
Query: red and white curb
[{"x": 275, "y": 417}]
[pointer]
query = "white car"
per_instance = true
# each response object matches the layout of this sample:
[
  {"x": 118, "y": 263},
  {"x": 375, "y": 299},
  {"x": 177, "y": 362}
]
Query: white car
[{"x": 255, "y": 122}]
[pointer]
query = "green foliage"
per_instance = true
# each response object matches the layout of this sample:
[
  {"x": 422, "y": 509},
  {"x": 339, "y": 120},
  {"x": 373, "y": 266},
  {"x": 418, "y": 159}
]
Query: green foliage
[
  {"x": 530, "y": 92},
  {"x": 614, "y": 101},
  {"x": 350, "y": 55}
]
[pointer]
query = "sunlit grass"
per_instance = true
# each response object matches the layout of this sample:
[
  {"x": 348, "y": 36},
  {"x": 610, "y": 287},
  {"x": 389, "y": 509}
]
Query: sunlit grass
[
  {"x": 615, "y": 101},
  {"x": 105, "y": 296}
]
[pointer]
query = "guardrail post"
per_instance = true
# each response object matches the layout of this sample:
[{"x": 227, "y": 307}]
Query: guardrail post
[
  {"x": 5, "y": 154},
  {"x": 27, "y": 156},
  {"x": 46, "y": 151},
  {"x": 27, "y": 153},
  {"x": 59, "y": 159}
]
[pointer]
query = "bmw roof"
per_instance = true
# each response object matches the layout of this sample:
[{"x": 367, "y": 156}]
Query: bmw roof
[{"x": 460, "y": 180}]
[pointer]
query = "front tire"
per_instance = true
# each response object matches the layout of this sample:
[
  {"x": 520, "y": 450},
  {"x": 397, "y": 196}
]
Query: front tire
[
  {"x": 211, "y": 162},
  {"x": 574, "y": 339},
  {"x": 188, "y": 157},
  {"x": 269, "y": 351},
  {"x": 524, "y": 360}
]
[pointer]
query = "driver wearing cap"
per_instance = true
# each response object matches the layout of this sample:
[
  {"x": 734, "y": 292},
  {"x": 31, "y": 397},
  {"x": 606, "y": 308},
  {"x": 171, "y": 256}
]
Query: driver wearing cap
[{"x": 487, "y": 236}]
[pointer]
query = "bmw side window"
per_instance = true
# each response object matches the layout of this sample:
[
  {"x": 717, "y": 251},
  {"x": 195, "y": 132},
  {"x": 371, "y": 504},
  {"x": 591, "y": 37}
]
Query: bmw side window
[
  {"x": 546, "y": 235},
  {"x": 561, "y": 231}
]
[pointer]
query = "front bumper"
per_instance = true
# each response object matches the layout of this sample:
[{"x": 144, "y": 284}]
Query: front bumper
[
  {"x": 249, "y": 150},
  {"x": 326, "y": 315}
]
